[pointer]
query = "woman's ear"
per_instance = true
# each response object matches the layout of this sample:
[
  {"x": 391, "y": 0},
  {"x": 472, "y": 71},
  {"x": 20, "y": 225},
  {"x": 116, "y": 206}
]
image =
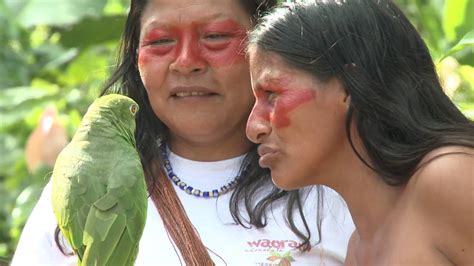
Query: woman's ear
[
  {"x": 347, "y": 101},
  {"x": 343, "y": 97}
]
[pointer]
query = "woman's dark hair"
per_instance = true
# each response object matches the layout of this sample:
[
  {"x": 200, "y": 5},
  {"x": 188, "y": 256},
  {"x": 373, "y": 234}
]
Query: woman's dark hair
[
  {"x": 250, "y": 201},
  {"x": 396, "y": 101}
]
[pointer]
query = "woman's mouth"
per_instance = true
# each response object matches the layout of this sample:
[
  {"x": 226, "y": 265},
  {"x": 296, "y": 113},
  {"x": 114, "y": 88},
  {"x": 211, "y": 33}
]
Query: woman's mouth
[
  {"x": 193, "y": 94},
  {"x": 267, "y": 156}
]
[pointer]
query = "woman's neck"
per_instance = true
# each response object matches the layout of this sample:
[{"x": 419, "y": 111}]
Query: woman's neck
[
  {"x": 370, "y": 201},
  {"x": 369, "y": 198},
  {"x": 215, "y": 150}
]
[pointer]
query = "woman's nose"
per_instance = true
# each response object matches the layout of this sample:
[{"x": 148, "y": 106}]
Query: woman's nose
[
  {"x": 258, "y": 125},
  {"x": 189, "y": 59}
]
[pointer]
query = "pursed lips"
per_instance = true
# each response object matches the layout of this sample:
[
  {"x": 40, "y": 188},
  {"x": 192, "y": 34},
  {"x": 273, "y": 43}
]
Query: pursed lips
[
  {"x": 264, "y": 149},
  {"x": 266, "y": 154}
]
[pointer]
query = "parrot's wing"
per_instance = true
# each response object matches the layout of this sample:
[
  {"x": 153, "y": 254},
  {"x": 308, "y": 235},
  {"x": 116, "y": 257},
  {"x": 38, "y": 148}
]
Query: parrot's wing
[
  {"x": 101, "y": 208},
  {"x": 68, "y": 193},
  {"x": 116, "y": 220}
]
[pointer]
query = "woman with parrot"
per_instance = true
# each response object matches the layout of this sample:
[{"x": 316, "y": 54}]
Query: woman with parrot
[{"x": 183, "y": 62}]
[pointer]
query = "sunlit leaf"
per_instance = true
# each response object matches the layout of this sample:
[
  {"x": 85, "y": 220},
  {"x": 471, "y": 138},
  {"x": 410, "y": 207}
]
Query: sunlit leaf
[
  {"x": 116, "y": 7},
  {"x": 14, "y": 6},
  {"x": 458, "y": 18},
  {"x": 468, "y": 110},
  {"x": 13, "y": 97},
  {"x": 467, "y": 42}
]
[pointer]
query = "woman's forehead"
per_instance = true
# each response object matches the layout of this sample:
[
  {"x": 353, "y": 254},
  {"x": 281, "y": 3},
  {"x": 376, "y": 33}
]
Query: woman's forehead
[{"x": 169, "y": 12}]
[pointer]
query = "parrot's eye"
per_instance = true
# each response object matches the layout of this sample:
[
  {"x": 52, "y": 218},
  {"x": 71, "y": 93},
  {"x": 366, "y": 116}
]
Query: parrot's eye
[{"x": 134, "y": 109}]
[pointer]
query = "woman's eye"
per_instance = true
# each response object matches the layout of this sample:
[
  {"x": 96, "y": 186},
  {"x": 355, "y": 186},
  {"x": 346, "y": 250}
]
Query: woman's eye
[
  {"x": 271, "y": 96},
  {"x": 216, "y": 36},
  {"x": 162, "y": 42}
]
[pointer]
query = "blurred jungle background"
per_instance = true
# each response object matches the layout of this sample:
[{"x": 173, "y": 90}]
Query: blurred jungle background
[{"x": 56, "y": 54}]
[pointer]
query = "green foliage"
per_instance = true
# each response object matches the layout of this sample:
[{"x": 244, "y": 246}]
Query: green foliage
[
  {"x": 448, "y": 29},
  {"x": 60, "y": 53}
]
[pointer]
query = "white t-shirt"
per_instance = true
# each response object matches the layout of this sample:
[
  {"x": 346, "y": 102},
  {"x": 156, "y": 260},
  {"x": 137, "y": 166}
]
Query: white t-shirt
[{"x": 233, "y": 244}]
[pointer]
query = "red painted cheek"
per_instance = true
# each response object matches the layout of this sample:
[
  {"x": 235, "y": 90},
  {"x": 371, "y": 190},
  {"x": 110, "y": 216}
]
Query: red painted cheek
[
  {"x": 227, "y": 52},
  {"x": 154, "y": 55},
  {"x": 192, "y": 53},
  {"x": 144, "y": 57},
  {"x": 288, "y": 101},
  {"x": 148, "y": 52},
  {"x": 231, "y": 54},
  {"x": 192, "y": 49}
]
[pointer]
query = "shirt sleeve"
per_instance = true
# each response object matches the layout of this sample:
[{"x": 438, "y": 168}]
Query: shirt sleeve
[{"x": 36, "y": 245}]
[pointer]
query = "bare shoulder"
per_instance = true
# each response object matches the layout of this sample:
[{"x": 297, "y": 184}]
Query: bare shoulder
[
  {"x": 447, "y": 171},
  {"x": 350, "y": 256},
  {"x": 442, "y": 192}
]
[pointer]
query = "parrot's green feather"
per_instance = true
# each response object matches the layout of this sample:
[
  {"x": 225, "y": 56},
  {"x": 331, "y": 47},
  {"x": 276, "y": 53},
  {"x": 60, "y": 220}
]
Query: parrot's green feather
[
  {"x": 126, "y": 253},
  {"x": 99, "y": 251},
  {"x": 106, "y": 202},
  {"x": 99, "y": 191}
]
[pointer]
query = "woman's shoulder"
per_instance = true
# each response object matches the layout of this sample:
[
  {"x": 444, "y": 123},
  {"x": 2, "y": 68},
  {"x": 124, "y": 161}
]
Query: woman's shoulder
[
  {"x": 444, "y": 178},
  {"x": 444, "y": 168},
  {"x": 442, "y": 192}
]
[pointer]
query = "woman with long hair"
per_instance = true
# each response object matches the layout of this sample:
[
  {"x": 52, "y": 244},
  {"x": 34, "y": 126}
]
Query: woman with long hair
[{"x": 347, "y": 96}]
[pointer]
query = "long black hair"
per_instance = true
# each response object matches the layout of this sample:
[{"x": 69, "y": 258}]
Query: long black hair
[
  {"x": 250, "y": 201},
  {"x": 397, "y": 103}
]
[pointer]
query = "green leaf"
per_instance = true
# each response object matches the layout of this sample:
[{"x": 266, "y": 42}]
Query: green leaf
[
  {"x": 90, "y": 68},
  {"x": 93, "y": 31},
  {"x": 458, "y": 18},
  {"x": 468, "y": 110},
  {"x": 4, "y": 260},
  {"x": 12, "y": 151},
  {"x": 115, "y": 7},
  {"x": 467, "y": 41},
  {"x": 275, "y": 253},
  {"x": 429, "y": 22},
  {"x": 14, "y": 6},
  {"x": 62, "y": 58},
  {"x": 13, "y": 97},
  {"x": 57, "y": 12}
]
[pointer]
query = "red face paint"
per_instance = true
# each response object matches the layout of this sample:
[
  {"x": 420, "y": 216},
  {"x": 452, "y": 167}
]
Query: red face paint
[
  {"x": 285, "y": 100},
  {"x": 216, "y": 44}
]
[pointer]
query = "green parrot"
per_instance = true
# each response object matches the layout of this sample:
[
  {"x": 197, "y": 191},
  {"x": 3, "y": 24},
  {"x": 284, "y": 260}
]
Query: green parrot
[{"x": 99, "y": 193}]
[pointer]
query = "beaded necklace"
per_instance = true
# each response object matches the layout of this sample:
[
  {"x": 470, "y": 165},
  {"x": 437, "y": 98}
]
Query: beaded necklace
[{"x": 194, "y": 191}]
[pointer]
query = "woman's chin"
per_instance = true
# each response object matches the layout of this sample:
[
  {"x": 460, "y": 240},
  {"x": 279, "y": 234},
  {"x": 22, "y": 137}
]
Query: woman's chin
[
  {"x": 284, "y": 183},
  {"x": 291, "y": 180}
]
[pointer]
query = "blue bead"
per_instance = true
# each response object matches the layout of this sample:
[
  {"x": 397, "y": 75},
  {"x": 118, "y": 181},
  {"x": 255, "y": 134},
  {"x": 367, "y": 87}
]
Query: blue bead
[{"x": 190, "y": 190}]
